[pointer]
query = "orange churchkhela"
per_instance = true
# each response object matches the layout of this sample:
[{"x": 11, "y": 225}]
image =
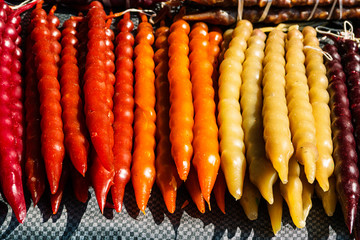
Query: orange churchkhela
[
  {"x": 181, "y": 101},
  {"x": 143, "y": 169},
  {"x": 206, "y": 158},
  {"x": 46, "y": 50},
  {"x": 167, "y": 178}
]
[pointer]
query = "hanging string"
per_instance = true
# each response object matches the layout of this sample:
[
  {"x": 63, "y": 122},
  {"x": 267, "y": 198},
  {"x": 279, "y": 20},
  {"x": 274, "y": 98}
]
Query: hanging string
[
  {"x": 340, "y": 9},
  {"x": 332, "y": 10},
  {"x": 266, "y": 11},
  {"x": 347, "y": 33},
  {"x": 240, "y": 9},
  {"x": 23, "y": 4},
  {"x": 328, "y": 31},
  {"x": 326, "y": 54},
  {"x": 313, "y": 11}
]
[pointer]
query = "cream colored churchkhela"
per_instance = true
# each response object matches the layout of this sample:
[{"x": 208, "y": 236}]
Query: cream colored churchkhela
[
  {"x": 277, "y": 133},
  {"x": 261, "y": 171},
  {"x": 232, "y": 148},
  {"x": 275, "y": 210},
  {"x": 328, "y": 198},
  {"x": 302, "y": 123},
  {"x": 292, "y": 193},
  {"x": 319, "y": 99}
]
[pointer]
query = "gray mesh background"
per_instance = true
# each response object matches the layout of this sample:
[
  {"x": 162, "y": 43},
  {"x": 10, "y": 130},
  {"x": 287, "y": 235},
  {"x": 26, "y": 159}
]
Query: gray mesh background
[
  {"x": 76, "y": 220},
  {"x": 84, "y": 221}
]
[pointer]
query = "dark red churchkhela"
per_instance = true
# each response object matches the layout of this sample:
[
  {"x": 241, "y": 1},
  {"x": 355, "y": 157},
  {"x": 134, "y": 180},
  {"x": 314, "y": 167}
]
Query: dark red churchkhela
[
  {"x": 11, "y": 109},
  {"x": 345, "y": 156},
  {"x": 351, "y": 62},
  {"x": 167, "y": 178}
]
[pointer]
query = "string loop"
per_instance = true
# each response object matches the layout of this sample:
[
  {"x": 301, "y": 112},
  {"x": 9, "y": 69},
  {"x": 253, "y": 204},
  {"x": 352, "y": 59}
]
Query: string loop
[
  {"x": 326, "y": 54},
  {"x": 347, "y": 33}
]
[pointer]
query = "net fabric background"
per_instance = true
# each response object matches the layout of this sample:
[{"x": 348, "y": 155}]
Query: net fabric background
[{"x": 76, "y": 220}]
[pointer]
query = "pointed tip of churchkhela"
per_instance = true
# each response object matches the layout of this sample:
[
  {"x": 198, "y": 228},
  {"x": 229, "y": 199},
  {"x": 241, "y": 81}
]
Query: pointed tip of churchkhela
[
  {"x": 142, "y": 181},
  {"x": 80, "y": 162},
  {"x": 80, "y": 185},
  {"x": 142, "y": 200},
  {"x": 101, "y": 180},
  {"x": 169, "y": 196},
  {"x": 183, "y": 170},
  {"x": 282, "y": 169},
  {"x": 56, "y": 198},
  {"x": 54, "y": 166},
  {"x": 206, "y": 182},
  {"x": 349, "y": 208},
  {"x": 219, "y": 190},
  {"x": 201, "y": 206},
  {"x": 101, "y": 190},
  {"x": 55, "y": 207},
  {"x": 348, "y": 192},
  {"x": 265, "y": 187},
  {"x": 117, "y": 193},
  {"x": 118, "y": 207},
  {"x": 20, "y": 213},
  {"x": 209, "y": 205},
  {"x": 168, "y": 182},
  {"x": 193, "y": 187},
  {"x": 11, "y": 185},
  {"x": 207, "y": 198},
  {"x": 350, "y": 219},
  {"x": 357, "y": 224},
  {"x": 121, "y": 178},
  {"x": 323, "y": 183},
  {"x": 220, "y": 201},
  {"x": 39, "y": 190},
  {"x": 222, "y": 209}
]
